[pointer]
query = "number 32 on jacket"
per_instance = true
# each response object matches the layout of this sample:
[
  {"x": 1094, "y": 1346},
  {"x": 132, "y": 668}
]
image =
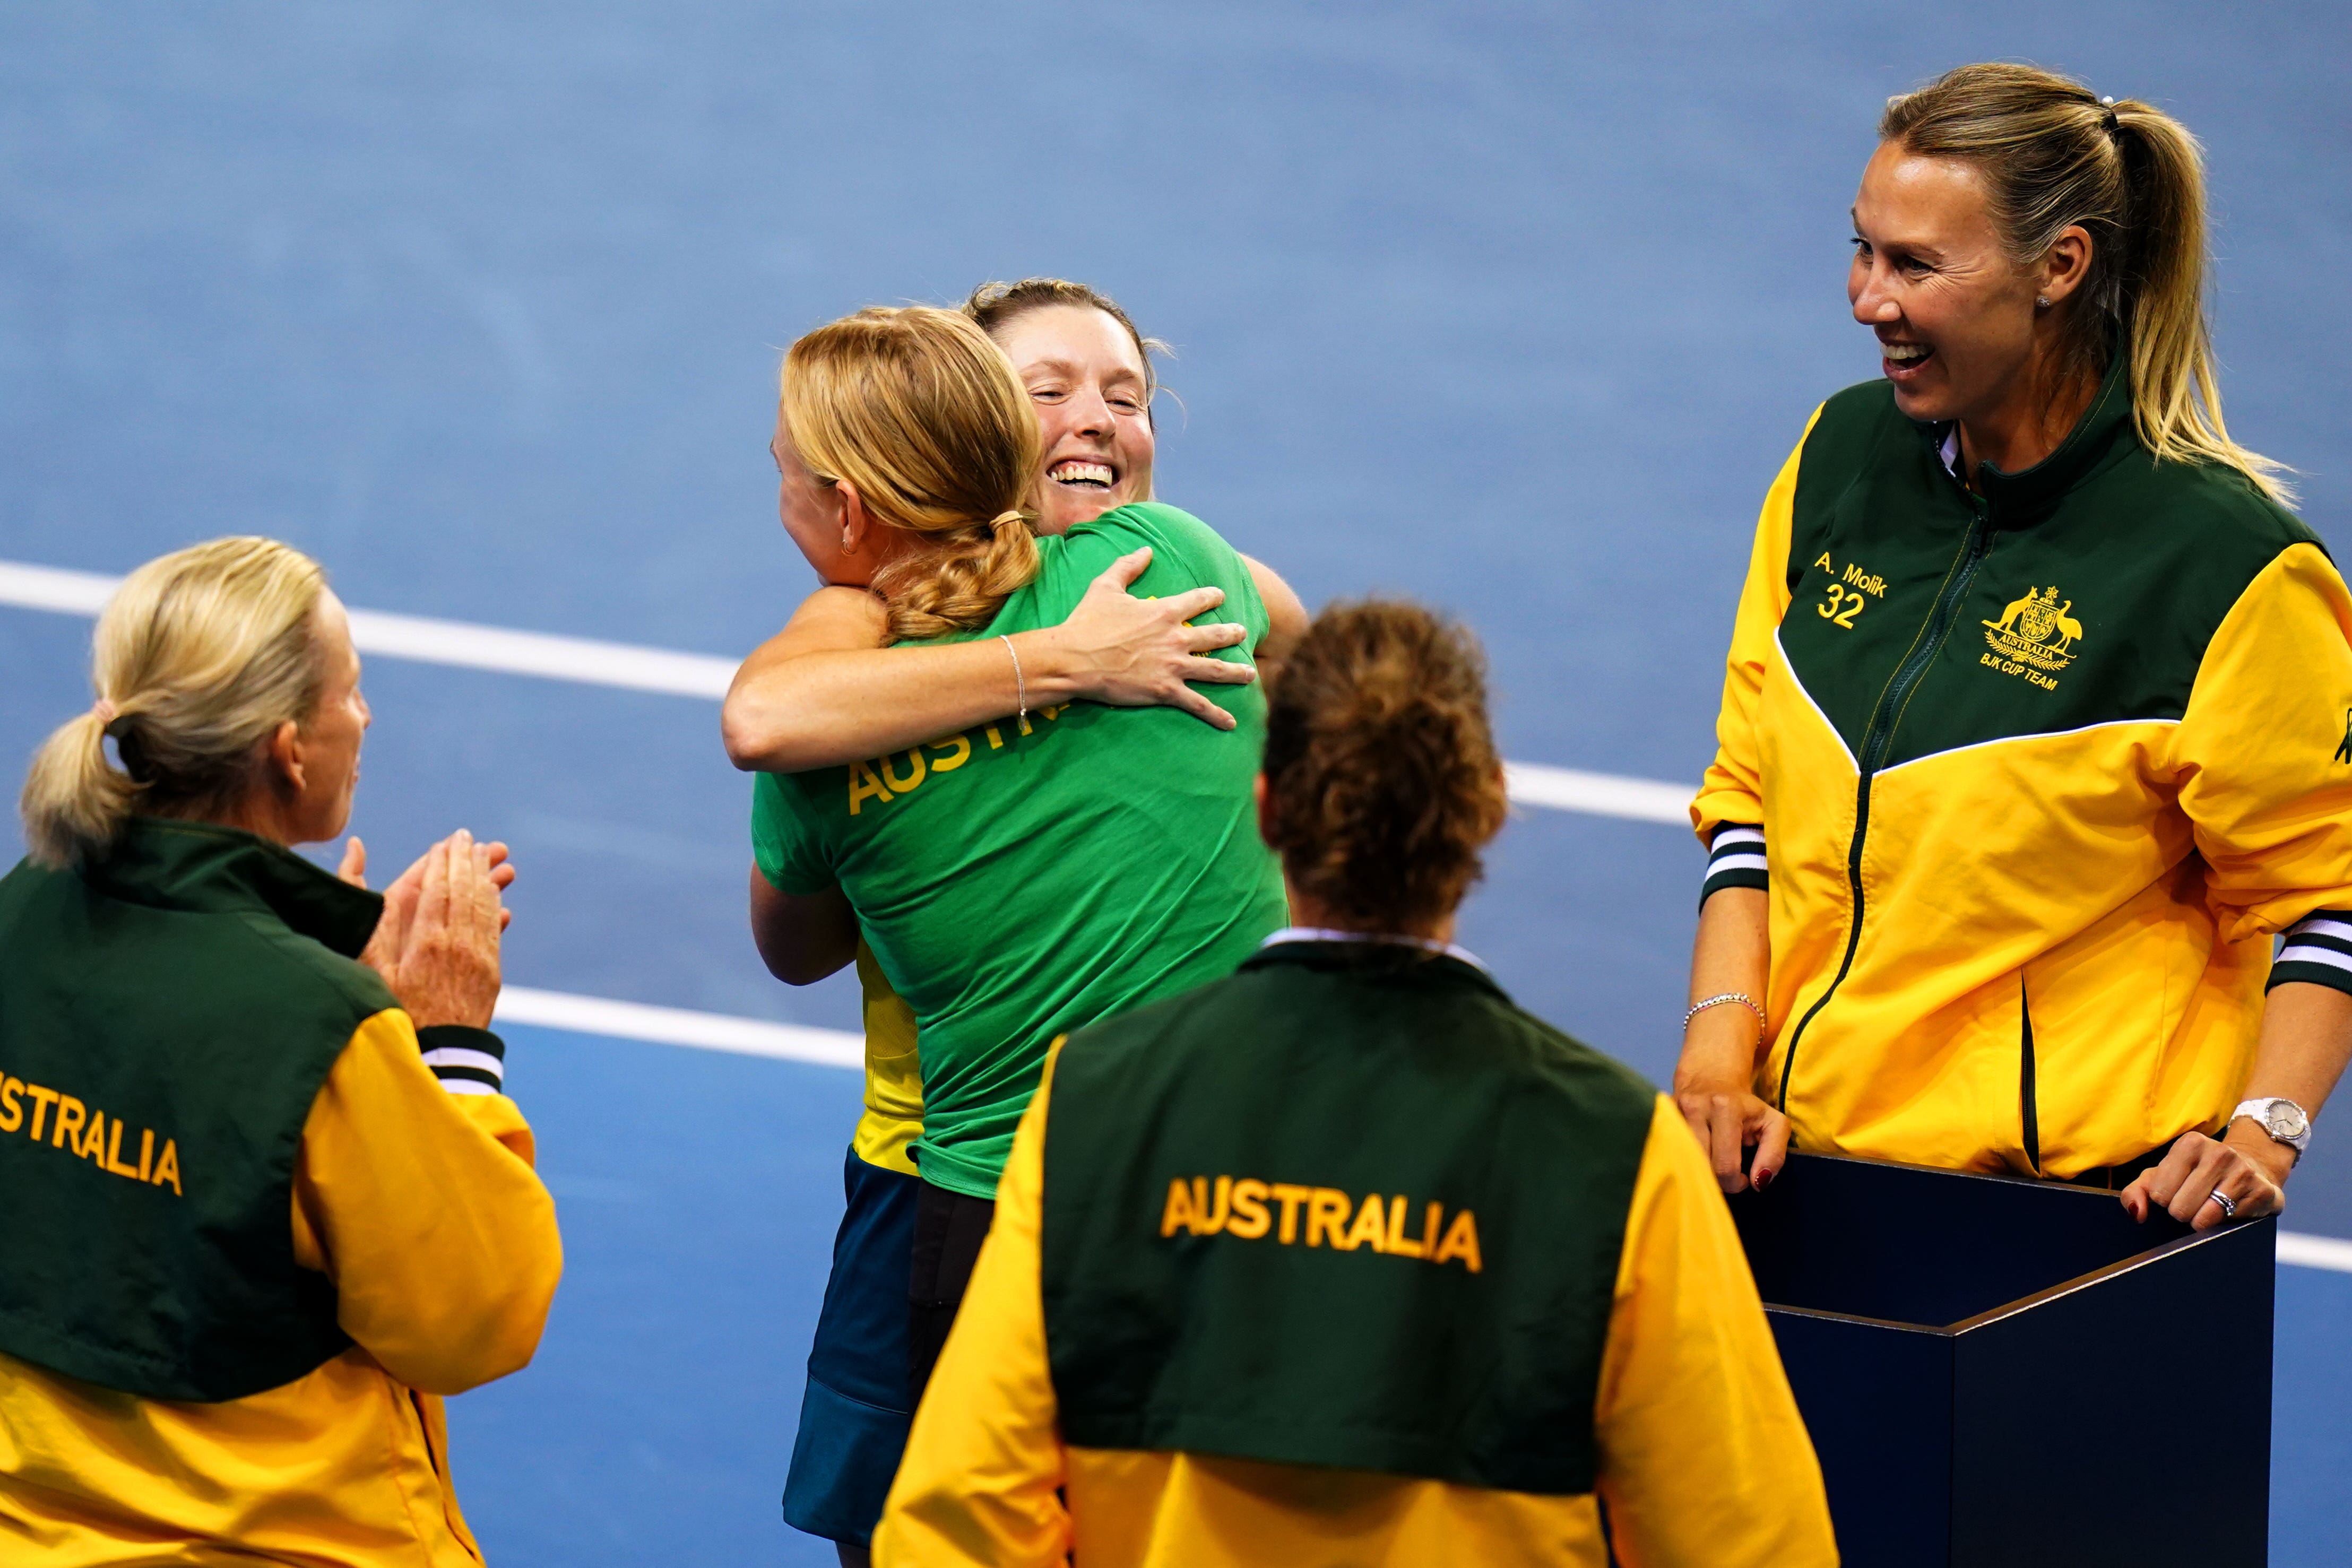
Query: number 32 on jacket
[{"x": 1845, "y": 599}]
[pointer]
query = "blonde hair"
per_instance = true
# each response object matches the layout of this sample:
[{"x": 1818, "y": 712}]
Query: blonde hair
[
  {"x": 919, "y": 411},
  {"x": 199, "y": 655},
  {"x": 2053, "y": 154}
]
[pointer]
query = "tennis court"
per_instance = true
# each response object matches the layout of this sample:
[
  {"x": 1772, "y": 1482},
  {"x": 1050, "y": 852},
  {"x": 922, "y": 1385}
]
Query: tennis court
[{"x": 1513, "y": 308}]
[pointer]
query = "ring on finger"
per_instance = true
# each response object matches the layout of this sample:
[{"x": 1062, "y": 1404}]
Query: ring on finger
[{"x": 2229, "y": 1205}]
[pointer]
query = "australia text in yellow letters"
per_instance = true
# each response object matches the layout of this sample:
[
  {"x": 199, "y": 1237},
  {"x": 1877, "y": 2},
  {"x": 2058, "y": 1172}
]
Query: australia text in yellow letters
[
  {"x": 885, "y": 778},
  {"x": 84, "y": 1131},
  {"x": 1330, "y": 1218}
]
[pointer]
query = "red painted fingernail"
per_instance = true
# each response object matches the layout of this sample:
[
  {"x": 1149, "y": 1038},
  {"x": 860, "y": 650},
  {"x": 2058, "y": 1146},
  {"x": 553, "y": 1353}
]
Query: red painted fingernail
[{"x": 1763, "y": 1180}]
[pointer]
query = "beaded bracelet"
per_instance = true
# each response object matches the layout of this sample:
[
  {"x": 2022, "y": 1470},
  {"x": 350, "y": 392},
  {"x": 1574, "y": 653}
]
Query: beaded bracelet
[{"x": 1742, "y": 998}]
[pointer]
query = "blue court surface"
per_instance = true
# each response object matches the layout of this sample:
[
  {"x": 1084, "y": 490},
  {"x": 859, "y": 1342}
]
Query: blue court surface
[{"x": 1515, "y": 307}]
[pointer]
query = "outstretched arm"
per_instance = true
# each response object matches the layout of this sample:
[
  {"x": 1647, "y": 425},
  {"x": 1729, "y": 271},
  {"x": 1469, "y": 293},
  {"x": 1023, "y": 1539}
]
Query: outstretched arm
[{"x": 825, "y": 691}]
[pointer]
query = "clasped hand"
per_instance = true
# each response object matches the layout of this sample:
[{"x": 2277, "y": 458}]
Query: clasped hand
[
  {"x": 436, "y": 944},
  {"x": 1141, "y": 653}
]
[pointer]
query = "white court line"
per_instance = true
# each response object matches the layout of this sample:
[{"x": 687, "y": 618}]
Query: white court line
[
  {"x": 2307, "y": 1251},
  {"x": 678, "y": 1026},
  {"x": 838, "y": 1048},
  {"x": 1597, "y": 794},
  {"x": 635, "y": 668}
]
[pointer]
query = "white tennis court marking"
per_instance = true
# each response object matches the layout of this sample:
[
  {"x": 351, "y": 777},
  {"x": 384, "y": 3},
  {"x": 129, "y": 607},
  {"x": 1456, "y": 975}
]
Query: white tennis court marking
[
  {"x": 633, "y": 668},
  {"x": 839, "y": 1047},
  {"x": 681, "y": 1026},
  {"x": 2307, "y": 1251}
]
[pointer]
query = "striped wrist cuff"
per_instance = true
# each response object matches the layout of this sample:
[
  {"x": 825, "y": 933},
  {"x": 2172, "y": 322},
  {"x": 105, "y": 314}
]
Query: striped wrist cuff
[
  {"x": 2317, "y": 949},
  {"x": 1735, "y": 858},
  {"x": 467, "y": 1060}
]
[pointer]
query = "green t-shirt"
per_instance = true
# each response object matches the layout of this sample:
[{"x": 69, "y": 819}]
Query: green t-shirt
[{"x": 1016, "y": 884}]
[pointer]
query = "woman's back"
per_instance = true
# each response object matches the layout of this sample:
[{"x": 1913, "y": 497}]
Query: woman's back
[
  {"x": 1025, "y": 878},
  {"x": 1359, "y": 1122}
]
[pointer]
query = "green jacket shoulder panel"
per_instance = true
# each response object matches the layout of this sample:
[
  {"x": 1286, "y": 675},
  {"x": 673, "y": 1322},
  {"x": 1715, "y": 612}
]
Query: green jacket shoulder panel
[
  {"x": 169, "y": 1051},
  {"x": 2081, "y": 592}
]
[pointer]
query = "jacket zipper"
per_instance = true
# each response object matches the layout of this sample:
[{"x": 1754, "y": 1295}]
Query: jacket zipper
[{"x": 1878, "y": 738}]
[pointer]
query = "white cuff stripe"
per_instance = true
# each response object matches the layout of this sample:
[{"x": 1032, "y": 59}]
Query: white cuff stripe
[
  {"x": 2329, "y": 956},
  {"x": 2314, "y": 926},
  {"x": 467, "y": 1086},
  {"x": 1725, "y": 836},
  {"x": 462, "y": 1056},
  {"x": 1748, "y": 861}
]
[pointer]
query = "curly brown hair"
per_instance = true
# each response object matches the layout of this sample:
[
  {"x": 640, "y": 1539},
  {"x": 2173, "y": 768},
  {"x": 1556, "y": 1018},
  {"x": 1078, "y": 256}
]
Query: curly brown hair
[{"x": 1383, "y": 780}]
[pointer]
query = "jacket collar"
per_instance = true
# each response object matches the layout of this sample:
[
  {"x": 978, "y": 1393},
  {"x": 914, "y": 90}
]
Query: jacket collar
[
  {"x": 203, "y": 868},
  {"x": 1375, "y": 960},
  {"x": 2027, "y": 495}
]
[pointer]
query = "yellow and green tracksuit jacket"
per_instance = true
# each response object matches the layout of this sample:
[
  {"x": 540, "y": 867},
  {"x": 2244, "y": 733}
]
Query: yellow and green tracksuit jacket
[
  {"x": 1331, "y": 1263},
  {"x": 256, "y": 1227},
  {"x": 2033, "y": 776}
]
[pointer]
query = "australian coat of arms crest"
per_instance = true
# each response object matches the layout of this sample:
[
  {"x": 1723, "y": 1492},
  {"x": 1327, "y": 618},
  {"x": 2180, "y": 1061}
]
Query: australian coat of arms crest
[{"x": 2036, "y": 630}]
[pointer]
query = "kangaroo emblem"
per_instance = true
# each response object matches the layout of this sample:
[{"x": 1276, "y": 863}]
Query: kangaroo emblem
[{"x": 2035, "y": 631}]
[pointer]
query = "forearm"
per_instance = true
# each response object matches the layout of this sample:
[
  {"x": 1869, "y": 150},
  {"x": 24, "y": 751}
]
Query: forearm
[
  {"x": 1731, "y": 956},
  {"x": 2306, "y": 1039},
  {"x": 788, "y": 712},
  {"x": 802, "y": 938}
]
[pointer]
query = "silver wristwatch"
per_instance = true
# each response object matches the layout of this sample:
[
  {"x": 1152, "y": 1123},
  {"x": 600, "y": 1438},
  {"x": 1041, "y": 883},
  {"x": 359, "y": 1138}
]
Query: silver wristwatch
[{"x": 2284, "y": 1120}]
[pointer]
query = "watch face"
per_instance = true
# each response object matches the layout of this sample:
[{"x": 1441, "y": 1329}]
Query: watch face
[{"x": 2285, "y": 1121}]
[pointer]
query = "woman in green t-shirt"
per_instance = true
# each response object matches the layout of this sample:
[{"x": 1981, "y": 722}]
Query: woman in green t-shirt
[
  {"x": 825, "y": 690},
  {"x": 1043, "y": 865}
]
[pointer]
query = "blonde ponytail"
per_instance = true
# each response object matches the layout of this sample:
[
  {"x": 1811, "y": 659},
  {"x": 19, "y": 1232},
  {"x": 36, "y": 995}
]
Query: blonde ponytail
[
  {"x": 918, "y": 412},
  {"x": 199, "y": 656},
  {"x": 2054, "y": 155}
]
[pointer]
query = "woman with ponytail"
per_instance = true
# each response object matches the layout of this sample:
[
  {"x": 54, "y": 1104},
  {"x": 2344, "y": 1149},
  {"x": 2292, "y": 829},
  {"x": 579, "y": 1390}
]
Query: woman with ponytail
[
  {"x": 202, "y": 1035},
  {"x": 1039, "y": 866},
  {"x": 2037, "y": 728},
  {"x": 1344, "y": 1257}
]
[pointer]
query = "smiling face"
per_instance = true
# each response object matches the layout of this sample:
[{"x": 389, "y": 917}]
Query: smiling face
[
  {"x": 1088, "y": 380},
  {"x": 1955, "y": 317}
]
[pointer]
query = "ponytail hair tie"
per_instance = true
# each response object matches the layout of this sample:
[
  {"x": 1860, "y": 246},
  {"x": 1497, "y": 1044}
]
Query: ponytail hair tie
[
  {"x": 1010, "y": 514},
  {"x": 2108, "y": 117},
  {"x": 105, "y": 712}
]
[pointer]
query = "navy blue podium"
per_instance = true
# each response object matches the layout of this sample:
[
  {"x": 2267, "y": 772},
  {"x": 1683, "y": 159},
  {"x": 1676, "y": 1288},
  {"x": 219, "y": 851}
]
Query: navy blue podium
[{"x": 2004, "y": 1374}]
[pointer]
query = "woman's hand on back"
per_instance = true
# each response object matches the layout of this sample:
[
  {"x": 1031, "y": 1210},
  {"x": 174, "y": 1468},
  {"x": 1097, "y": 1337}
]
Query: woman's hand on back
[
  {"x": 436, "y": 944},
  {"x": 1140, "y": 653}
]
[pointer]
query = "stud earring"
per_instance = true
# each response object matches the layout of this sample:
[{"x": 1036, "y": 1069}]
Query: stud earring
[{"x": 2041, "y": 302}]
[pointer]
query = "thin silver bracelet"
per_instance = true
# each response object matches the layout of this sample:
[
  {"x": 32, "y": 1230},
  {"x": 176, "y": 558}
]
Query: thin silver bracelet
[
  {"x": 1742, "y": 998},
  {"x": 1021, "y": 686}
]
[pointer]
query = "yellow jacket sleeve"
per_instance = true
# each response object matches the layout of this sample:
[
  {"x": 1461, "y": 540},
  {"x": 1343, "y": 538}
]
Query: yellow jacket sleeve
[
  {"x": 984, "y": 1458},
  {"x": 423, "y": 1207},
  {"x": 1704, "y": 1458},
  {"x": 2264, "y": 754},
  {"x": 1733, "y": 790}
]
